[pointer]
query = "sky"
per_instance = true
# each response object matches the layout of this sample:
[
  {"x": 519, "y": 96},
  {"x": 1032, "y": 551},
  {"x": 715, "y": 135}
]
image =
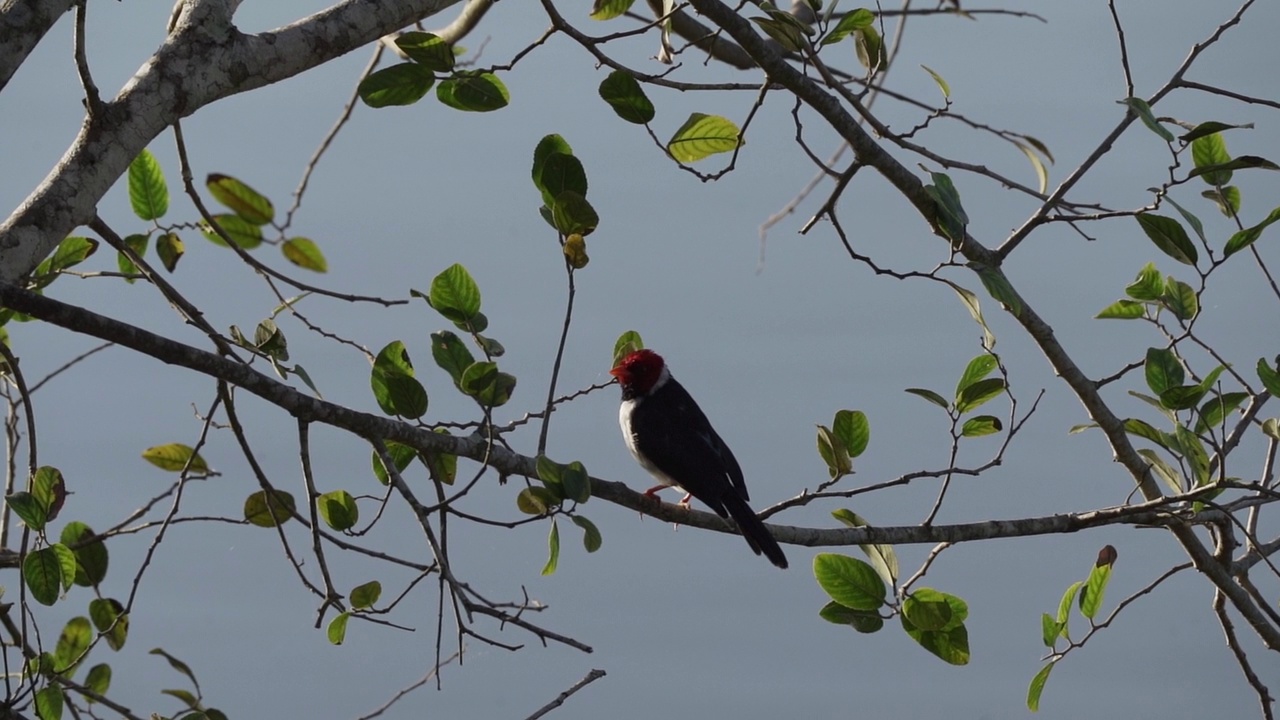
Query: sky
[{"x": 772, "y": 337}]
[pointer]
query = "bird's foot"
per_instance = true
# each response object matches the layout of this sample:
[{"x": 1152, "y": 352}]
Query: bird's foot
[{"x": 684, "y": 502}]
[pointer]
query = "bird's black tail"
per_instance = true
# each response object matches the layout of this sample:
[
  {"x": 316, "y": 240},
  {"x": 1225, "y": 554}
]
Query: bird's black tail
[{"x": 753, "y": 529}]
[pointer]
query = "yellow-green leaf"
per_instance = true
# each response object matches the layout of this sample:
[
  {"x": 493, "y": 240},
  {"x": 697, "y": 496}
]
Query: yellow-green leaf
[
  {"x": 304, "y": 253},
  {"x": 250, "y": 205},
  {"x": 702, "y": 136}
]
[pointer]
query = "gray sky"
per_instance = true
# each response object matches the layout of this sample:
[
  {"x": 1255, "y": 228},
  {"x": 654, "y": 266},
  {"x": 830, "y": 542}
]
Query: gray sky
[{"x": 687, "y": 623}]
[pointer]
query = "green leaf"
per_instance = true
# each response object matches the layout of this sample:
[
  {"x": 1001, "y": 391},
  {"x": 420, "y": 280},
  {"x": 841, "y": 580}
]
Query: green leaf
[
  {"x": 393, "y": 383},
  {"x": 1215, "y": 410},
  {"x": 1246, "y": 237},
  {"x": 931, "y": 396},
  {"x": 997, "y": 285},
  {"x": 1164, "y": 471},
  {"x": 1142, "y": 429},
  {"x": 860, "y": 620},
  {"x": 1163, "y": 370},
  {"x": 49, "y": 702},
  {"x": 442, "y": 466},
  {"x": 98, "y": 680},
  {"x": 853, "y": 429},
  {"x": 42, "y": 572},
  {"x": 29, "y": 508},
  {"x": 591, "y": 538},
  {"x": 572, "y": 214},
  {"x": 1191, "y": 219},
  {"x": 627, "y": 98},
  {"x": 1193, "y": 452},
  {"x": 1270, "y": 379},
  {"x": 834, "y": 453},
  {"x": 176, "y": 664},
  {"x": 1244, "y": 162},
  {"x": 952, "y": 219},
  {"x": 338, "y": 509},
  {"x": 1208, "y": 152},
  {"x": 870, "y": 49},
  {"x": 977, "y": 369},
  {"x": 110, "y": 620},
  {"x": 609, "y": 9},
  {"x": 561, "y": 172},
  {"x": 148, "y": 194},
  {"x": 403, "y": 84},
  {"x": 1182, "y": 397},
  {"x": 1143, "y": 111},
  {"x": 304, "y": 253},
  {"x": 487, "y": 385},
  {"x": 74, "y": 641},
  {"x": 1227, "y": 198},
  {"x": 549, "y": 145},
  {"x": 702, "y": 136},
  {"x": 1271, "y": 428},
  {"x": 627, "y": 343},
  {"x": 1209, "y": 128},
  {"x": 451, "y": 354},
  {"x": 270, "y": 340},
  {"x": 1050, "y": 629},
  {"x": 173, "y": 457},
  {"x": 787, "y": 34},
  {"x": 535, "y": 501},
  {"x": 849, "y": 581},
  {"x": 170, "y": 249},
  {"x": 1169, "y": 237},
  {"x": 72, "y": 251},
  {"x": 979, "y": 393},
  {"x": 576, "y": 481},
  {"x": 1064, "y": 605},
  {"x": 1149, "y": 285},
  {"x": 401, "y": 456},
  {"x": 951, "y": 643},
  {"x": 242, "y": 232},
  {"x": 1122, "y": 310},
  {"x": 454, "y": 294},
  {"x": 269, "y": 509},
  {"x": 553, "y": 547},
  {"x": 1095, "y": 588},
  {"x": 850, "y": 23},
  {"x": 473, "y": 92},
  {"x": 91, "y": 557},
  {"x": 138, "y": 244},
  {"x": 882, "y": 557},
  {"x": 247, "y": 203},
  {"x": 364, "y": 596},
  {"x": 49, "y": 488},
  {"x": 975, "y": 310},
  {"x": 927, "y": 610},
  {"x": 981, "y": 425},
  {"x": 428, "y": 50},
  {"x": 337, "y": 631},
  {"x": 942, "y": 84},
  {"x": 1037, "y": 687}
]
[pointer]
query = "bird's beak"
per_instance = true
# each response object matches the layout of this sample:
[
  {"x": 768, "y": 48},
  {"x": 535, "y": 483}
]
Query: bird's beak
[{"x": 617, "y": 372}]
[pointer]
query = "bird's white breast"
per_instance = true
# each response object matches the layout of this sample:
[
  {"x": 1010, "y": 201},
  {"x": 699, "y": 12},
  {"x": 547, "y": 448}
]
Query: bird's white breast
[{"x": 624, "y": 419}]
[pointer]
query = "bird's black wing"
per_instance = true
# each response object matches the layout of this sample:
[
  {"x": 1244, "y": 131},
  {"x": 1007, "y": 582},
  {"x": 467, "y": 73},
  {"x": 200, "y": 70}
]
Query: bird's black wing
[{"x": 673, "y": 433}]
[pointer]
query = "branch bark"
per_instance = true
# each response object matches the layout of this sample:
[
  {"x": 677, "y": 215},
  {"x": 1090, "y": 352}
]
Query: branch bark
[{"x": 203, "y": 60}]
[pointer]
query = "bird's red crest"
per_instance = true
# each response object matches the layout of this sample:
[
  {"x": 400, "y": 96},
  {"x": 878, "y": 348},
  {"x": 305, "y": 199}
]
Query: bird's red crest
[{"x": 639, "y": 370}]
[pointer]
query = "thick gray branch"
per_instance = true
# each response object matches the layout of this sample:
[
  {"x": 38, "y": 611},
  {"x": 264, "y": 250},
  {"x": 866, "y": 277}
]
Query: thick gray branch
[
  {"x": 23, "y": 23},
  {"x": 310, "y": 409},
  {"x": 204, "y": 60}
]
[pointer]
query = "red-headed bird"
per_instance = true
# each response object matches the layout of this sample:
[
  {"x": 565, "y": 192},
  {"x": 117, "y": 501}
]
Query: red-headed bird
[{"x": 670, "y": 437}]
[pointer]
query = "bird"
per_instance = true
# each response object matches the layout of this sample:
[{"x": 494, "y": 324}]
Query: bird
[{"x": 670, "y": 437}]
